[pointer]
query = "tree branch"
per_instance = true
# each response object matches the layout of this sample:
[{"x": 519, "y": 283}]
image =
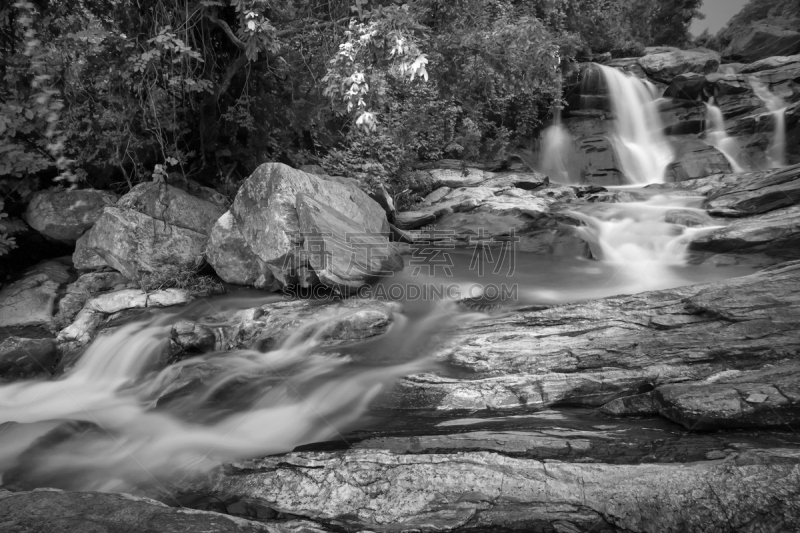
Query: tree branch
[
  {"x": 227, "y": 29},
  {"x": 233, "y": 68}
]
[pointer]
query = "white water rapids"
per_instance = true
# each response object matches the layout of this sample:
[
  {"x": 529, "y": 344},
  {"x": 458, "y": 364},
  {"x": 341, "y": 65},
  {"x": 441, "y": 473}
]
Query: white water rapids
[{"x": 289, "y": 396}]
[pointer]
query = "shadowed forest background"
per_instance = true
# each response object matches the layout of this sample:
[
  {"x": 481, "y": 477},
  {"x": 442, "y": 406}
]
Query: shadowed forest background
[{"x": 110, "y": 94}]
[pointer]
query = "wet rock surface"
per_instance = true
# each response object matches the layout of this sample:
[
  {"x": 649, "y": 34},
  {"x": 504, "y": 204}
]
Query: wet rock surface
[{"x": 52, "y": 511}]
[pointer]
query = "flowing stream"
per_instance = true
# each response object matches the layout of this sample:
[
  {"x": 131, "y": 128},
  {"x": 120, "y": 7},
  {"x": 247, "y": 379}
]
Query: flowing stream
[{"x": 100, "y": 427}]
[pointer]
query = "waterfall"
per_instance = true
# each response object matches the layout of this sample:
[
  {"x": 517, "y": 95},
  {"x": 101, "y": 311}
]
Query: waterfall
[
  {"x": 639, "y": 142},
  {"x": 556, "y": 151},
  {"x": 718, "y": 137},
  {"x": 776, "y": 153},
  {"x": 641, "y": 240}
]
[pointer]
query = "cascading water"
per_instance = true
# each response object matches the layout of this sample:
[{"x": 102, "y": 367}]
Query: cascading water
[
  {"x": 776, "y": 153},
  {"x": 717, "y": 135},
  {"x": 642, "y": 240},
  {"x": 285, "y": 397},
  {"x": 556, "y": 150},
  {"x": 639, "y": 142}
]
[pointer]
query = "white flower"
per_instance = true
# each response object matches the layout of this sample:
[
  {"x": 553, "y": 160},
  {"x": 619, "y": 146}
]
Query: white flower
[
  {"x": 367, "y": 121},
  {"x": 418, "y": 68}
]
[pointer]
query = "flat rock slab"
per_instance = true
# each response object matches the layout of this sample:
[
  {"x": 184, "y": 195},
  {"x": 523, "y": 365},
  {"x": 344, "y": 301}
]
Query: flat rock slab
[
  {"x": 776, "y": 233},
  {"x": 381, "y": 491},
  {"x": 756, "y": 193},
  {"x": 591, "y": 353}
]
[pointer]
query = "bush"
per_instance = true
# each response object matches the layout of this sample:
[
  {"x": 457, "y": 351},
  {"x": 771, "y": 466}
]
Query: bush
[{"x": 174, "y": 277}]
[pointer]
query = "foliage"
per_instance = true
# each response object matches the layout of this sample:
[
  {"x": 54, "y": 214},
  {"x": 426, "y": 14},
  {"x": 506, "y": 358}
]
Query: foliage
[
  {"x": 174, "y": 277},
  {"x": 7, "y": 243},
  {"x": 662, "y": 22},
  {"x": 30, "y": 106},
  {"x": 114, "y": 93}
]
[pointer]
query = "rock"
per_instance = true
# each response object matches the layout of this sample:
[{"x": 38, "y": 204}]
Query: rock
[
  {"x": 417, "y": 219},
  {"x": 495, "y": 214},
  {"x": 374, "y": 490},
  {"x": 31, "y": 300},
  {"x": 114, "y": 302},
  {"x": 86, "y": 286},
  {"x": 688, "y": 217},
  {"x": 172, "y": 205},
  {"x": 78, "y": 334},
  {"x": 768, "y": 63},
  {"x": 686, "y": 86},
  {"x": 208, "y": 194},
  {"x": 636, "y": 405},
  {"x": 233, "y": 260},
  {"x": 595, "y": 160},
  {"x": 268, "y": 326},
  {"x": 133, "y": 242},
  {"x": 23, "y": 354},
  {"x": 265, "y": 212},
  {"x": 55, "y": 511},
  {"x": 664, "y": 66},
  {"x": 384, "y": 199},
  {"x": 776, "y": 233},
  {"x": 695, "y": 159},
  {"x": 65, "y": 215},
  {"x": 189, "y": 337},
  {"x": 765, "y": 398},
  {"x": 340, "y": 252},
  {"x": 436, "y": 195},
  {"x": 455, "y": 178},
  {"x": 757, "y": 193},
  {"x": 761, "y": 41}
]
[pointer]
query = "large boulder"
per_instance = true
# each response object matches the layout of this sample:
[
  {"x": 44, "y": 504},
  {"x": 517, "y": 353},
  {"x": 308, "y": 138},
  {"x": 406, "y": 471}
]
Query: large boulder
[
  {"x": 264, "y": 229},
  {"x": 172, "y": 205},
  {"x": 153, "y": 227},
  {"x": 340, "y": 252},
  {"x": 761, "y": 41},
  {"x": 66, "y": 215},
  {"x": 664, "y": 66},
  {"x": 233, "y": 260},
  {"x": 132, "y": 242},
  {"x": 687, "y": 86}
]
